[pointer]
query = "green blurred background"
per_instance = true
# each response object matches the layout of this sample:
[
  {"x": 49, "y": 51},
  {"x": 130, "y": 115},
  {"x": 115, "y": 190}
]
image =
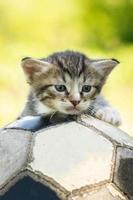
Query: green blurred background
[{"x": 39, "y": 27}]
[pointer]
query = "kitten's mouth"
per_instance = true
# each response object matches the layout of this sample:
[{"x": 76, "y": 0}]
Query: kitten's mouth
[{"x": 73, "y": 110}]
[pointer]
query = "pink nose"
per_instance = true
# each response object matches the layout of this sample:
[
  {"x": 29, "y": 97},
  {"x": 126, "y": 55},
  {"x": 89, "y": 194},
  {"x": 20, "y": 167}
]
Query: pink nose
[{"x": 75, "y": 103}]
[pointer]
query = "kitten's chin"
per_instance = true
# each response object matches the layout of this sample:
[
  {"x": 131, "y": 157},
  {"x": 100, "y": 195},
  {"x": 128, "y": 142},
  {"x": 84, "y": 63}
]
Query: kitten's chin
[{"x": 72, "y": 111}]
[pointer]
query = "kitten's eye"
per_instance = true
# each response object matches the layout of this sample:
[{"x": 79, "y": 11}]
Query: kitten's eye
[
  {"x": 86, "y": 88},
  {"x": 60, "y": 88}
]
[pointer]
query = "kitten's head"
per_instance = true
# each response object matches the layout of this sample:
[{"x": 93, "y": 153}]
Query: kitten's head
[{"x": 67, "y": 81}]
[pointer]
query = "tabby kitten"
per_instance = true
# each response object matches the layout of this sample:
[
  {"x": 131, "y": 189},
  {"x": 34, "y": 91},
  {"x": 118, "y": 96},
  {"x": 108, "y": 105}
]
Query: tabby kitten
[{"x": 68, "y": 83}]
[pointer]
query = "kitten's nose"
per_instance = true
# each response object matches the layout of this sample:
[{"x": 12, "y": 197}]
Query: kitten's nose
[{"x": 75, "y": 103}]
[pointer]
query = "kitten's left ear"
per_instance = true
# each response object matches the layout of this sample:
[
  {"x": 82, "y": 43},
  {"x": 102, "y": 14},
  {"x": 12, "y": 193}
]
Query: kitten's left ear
[
  {"x": 103, "y": 66},
  {"x": 34, "y": 67}
]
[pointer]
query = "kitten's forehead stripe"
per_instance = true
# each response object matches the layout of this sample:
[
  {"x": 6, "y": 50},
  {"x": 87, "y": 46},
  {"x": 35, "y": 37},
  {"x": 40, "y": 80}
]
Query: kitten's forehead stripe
[
  {"x": 65, "y": 70},
  {"x": 69, "y": 61}
]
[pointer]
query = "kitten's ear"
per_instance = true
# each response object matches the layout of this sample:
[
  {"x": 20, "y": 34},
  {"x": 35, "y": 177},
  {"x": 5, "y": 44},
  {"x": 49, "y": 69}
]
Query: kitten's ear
[
  {"x": 33, "y": 67},
  {"x": 103, "y": 66}
]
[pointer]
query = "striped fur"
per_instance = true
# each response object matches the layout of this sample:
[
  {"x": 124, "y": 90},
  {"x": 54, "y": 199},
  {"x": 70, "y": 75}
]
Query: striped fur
[{"x": 73, "y": 70}]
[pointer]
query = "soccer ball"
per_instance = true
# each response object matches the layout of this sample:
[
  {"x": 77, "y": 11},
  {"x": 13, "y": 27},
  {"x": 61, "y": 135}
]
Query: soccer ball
[{"x": 82, "y": 159}]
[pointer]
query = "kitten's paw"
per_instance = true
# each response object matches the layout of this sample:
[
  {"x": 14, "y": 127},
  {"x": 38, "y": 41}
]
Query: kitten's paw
[{"x": 109, "y": 115}]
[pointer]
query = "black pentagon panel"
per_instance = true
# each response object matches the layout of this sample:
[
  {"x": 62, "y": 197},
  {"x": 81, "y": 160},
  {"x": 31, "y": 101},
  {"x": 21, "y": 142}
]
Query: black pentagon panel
[
  {"x": 30, "y": 123},
  {"x": 28, "y": 189},
  {"x": 35, "y": 123},
  {"x": 123, "y": 176}
]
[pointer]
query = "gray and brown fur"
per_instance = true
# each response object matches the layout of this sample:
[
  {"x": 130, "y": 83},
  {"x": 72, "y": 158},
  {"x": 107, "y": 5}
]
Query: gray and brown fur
[{"x": 74, "y": 70}]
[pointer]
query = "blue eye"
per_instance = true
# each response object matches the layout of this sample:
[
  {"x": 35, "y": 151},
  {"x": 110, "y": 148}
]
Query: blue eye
[
  {"x": 60, "y": 88},
  {"x": 86, "y": 88}
]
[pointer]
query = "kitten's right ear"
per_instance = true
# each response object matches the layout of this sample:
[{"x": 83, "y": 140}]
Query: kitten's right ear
[
  {"x": 103, "y": 66},
  {"x": 34, "y": 67}
]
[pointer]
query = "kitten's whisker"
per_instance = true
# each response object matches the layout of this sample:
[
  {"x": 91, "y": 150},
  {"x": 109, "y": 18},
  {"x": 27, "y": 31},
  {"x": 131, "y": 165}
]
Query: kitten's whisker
[{"x": 52, "y": 115}]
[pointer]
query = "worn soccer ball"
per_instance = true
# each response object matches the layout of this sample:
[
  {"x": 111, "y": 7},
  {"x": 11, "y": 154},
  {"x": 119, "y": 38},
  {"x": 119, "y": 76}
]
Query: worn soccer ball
[{"x": 85, "y": 159}]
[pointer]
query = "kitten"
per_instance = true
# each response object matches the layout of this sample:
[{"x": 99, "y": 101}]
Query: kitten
[{"x": 68, "y": 83}]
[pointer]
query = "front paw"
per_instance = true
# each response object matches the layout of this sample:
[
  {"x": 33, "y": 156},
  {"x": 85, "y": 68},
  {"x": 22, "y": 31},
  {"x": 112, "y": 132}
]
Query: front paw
[{"x": 109, "y": 115}]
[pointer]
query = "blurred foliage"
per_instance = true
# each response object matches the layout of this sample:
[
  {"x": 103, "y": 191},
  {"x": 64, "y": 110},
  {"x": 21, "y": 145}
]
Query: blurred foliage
[
  {"x": 107, "y": 23},
  {"x": 38, "y": 27}
]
